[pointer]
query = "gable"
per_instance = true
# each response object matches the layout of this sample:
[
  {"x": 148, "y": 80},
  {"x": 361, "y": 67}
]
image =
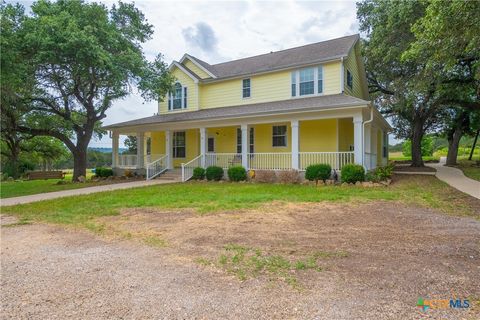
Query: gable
[
  {"x": 196, "y": 69},
  {"x": 354, "y": 64}
]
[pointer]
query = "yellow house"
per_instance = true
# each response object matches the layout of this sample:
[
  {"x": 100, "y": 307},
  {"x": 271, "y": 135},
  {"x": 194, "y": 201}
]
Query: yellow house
[{"x": 277, "y": 111}]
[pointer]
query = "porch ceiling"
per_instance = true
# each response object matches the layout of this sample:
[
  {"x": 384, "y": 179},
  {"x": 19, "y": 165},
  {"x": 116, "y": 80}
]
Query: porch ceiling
[{"x": 319, "y": 103}]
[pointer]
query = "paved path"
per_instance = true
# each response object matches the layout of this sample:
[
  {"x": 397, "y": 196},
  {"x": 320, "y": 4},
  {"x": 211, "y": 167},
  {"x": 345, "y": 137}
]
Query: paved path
[
  {"x": 76, "y": 192},
  {"x": 456, "y": 178}
]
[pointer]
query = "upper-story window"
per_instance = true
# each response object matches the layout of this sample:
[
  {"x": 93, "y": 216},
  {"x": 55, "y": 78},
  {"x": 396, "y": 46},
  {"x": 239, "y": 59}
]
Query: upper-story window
[
  {"x": 349, "y": 79},
  {"x": 178, "y": 100},
  {"x": 246, "y": 88},
  {"x": 309, "y": 80}
]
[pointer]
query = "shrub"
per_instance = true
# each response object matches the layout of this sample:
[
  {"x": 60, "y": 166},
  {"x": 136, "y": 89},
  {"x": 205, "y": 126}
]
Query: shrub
[
  {"x": 352, "y": 173},
  {"x": 288, "y": 176},
  {"x": 317, "y": 172},
  {"x": 380, "y": 173},
  {"x": 128, "y": 173},
  {"x": 198, "y": 173},
  {"x": 103, "y": 172},
  {"x": 237, "y": 173},
  {"x": 214, "y": 173},
  {"x": 265, "y": 176}
]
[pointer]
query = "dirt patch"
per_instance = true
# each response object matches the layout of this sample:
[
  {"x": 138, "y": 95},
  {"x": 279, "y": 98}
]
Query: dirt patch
[{"x": 394, "y": 255}]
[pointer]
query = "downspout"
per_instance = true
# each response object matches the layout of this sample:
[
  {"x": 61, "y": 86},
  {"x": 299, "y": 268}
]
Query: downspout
[{"x": 363, "y": 135}]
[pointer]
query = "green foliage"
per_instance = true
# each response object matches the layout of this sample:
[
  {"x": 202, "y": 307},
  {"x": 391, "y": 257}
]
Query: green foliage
[
  {"x": 198, "y": 173},
  {"x": 427, "y": 147},
  {"x": 352, "y": 173},
  {"x": 84, "y": 56},
  {"x": 214, "y": 173},
  {"x": 317, "y": 172},
  {"x": 103, "y": 172},
  {"x": 131, "y": 144},
  {"x": 380, "y": 173},
  {"x": 237, "y": 173}
]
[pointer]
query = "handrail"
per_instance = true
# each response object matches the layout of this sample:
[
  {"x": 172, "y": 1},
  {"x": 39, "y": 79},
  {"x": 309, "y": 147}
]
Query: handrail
[
  {"x": 187, "y": 170},
  {"x": 157, "y": 167}
]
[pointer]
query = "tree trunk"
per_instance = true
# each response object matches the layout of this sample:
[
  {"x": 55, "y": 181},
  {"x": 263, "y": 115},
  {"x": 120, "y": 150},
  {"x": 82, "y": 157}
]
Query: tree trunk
[
  {"x": 473, "y": 146},
  {"x": 417, "y": 160},
  {"x": 79, "y": 163},
  {"x": 15, "y": 152},
  {"x": 453, "y": 143}
]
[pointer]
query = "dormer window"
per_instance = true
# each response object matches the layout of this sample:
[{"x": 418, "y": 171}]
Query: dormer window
[
  {"x": 178, "y": 100},
  {"x": 309, "y": 80}
]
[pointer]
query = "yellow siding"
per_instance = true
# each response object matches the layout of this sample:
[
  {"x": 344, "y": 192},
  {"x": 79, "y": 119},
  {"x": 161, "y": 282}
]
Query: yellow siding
[
  {"x": 351, "y": 63},
  {"x": 331, "y": 78},
  {"x": 192, "y": 92},
  {"x": 225, "y": 139},
  {"x": 157, "y": 143},
  {"x": 263, "y": 138},
  {"x": 199, "y": 72},
  {"x": 267, "y": 87},
  {"x": 318, "y": 135},
  {"x": 345, "y": 131}
]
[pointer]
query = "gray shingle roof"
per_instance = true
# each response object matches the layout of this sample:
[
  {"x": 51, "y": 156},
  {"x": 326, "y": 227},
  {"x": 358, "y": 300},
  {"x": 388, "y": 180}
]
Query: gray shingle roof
[
  {"x": 290, "y": 105},
  {"x": 304, "y": 55}
]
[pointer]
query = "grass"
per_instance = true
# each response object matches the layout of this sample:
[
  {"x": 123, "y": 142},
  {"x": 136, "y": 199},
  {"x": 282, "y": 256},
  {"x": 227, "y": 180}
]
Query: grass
[
  {"x": 211, "y": 197},
  {"x": 19, "y": 188},
  {"x": 469, "y": 168},
  {"x": 245, "y": 263}
]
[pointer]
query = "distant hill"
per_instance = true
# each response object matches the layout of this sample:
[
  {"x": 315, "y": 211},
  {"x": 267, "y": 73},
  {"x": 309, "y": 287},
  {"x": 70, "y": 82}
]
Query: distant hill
[{"x": 106, "y": 150}]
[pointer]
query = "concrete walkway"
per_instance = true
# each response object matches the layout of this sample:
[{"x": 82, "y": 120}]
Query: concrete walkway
[
  {"x": 455, "y": 178},
  {"x": 76, "y": 192}
]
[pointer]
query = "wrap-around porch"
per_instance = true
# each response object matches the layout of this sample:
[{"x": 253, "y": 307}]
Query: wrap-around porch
[{"x": 279, "y": 145}]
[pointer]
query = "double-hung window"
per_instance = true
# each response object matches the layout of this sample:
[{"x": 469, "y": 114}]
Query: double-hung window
[
  {"x": 307, "y": 81},
  {"x": 246, "y": 88},
  {"x": 178, "y": 99},
  {"x": 179, "y": 144},
  {"x": 279, "y": 136}
]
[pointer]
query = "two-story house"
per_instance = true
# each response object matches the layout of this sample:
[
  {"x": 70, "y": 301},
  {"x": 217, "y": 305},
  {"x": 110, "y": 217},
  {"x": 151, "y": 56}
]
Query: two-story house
[{"x": 276, "y": 111}]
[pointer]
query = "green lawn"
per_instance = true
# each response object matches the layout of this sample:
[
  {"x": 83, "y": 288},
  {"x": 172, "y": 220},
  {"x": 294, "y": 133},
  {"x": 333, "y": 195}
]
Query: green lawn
[
  {"x": 27, "y": 187},
  {"x": 469, "y": 169},
  {"x": 211, "y": 197}
]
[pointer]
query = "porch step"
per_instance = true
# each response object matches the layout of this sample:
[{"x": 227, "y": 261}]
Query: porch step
[{"x": 175, "y": 174}]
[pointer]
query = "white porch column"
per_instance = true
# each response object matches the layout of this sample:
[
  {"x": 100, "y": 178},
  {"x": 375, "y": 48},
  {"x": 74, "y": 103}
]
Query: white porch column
[
  {"x": 244, "y": 128},
  {"x": 115, "y": 139},
  {"x": 140, "y": 150},
  {"x": 168, "y": 149},
  {"x": 203, "y": 145},
  {"x": 357, "y": 139},
  {"x": 295, "y": 144}
]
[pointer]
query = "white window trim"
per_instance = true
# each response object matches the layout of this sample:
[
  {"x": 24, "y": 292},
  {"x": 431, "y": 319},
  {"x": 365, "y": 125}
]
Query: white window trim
[
  {"x": 315, "y": 83},
  {"x": 241, "y": 83},
  {"x": 286, "y": 135},
  {"x": 170, "y": 98}
]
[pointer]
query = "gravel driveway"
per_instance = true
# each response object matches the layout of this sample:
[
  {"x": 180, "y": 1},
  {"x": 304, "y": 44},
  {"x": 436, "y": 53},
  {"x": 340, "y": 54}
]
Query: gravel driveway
[{"x": 396, "y": 254}]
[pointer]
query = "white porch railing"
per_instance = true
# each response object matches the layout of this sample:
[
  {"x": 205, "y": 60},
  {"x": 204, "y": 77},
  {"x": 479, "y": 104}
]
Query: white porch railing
[
  {"x": 224, "y": 160},
  {"x": 157, "y": 167},
  {"x": 129, "y": 161},
  {"x": 270, "y": 161},
  {"x": 370, "y": 160},
  {"x": 335, "y": 159},
  {"x": 187, "y": 168}
]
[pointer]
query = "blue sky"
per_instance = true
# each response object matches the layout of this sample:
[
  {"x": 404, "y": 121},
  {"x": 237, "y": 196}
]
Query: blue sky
[{"x": 218, "y": 31}]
